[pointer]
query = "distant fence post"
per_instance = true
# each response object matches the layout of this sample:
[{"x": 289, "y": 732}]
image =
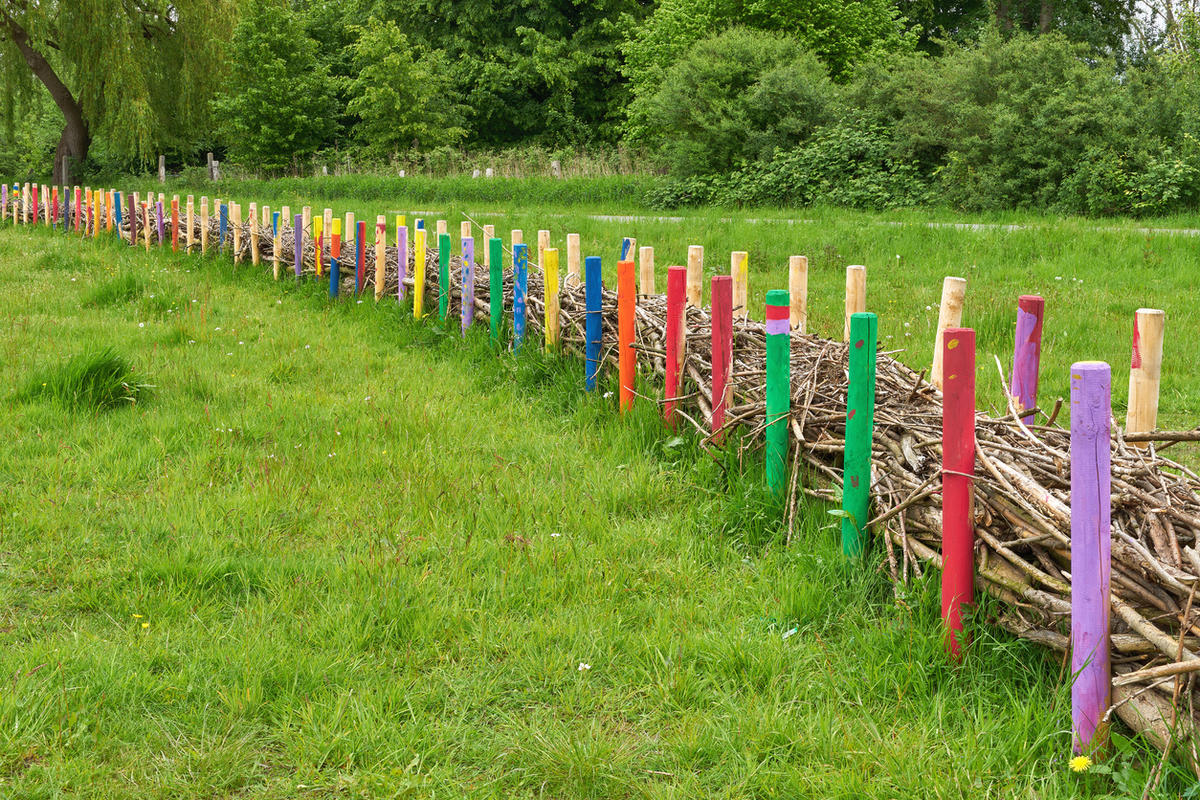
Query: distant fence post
[
  {"x": 860, "y": 427},
  {"x": 162, "y": 169},
  {"x": 958, "y": 469},
  {"x": 626, "y": 325},
  {"x": 779, "y": 389},
  {"x": 1091, "y": 557},
  {"x": 722, "y": 351},
  {"x": 520, "y": 291},
  {"x": 212, "y": 175},
  {"x": 594, "y": 285}
]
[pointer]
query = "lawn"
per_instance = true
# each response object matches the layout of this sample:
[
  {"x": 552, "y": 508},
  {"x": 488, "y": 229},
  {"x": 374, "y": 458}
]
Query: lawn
[{"x": 334, "y": 552}]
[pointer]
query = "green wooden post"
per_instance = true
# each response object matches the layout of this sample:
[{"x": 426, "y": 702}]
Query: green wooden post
[
  {"x": 496, "y": 287},
  {"x": 779, "y": 389},
  {"x": 443, "y": 275},
  {"x": 860, "y": 424}
]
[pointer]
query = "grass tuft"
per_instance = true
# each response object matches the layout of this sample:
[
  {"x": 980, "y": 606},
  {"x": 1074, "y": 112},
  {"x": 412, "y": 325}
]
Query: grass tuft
[
  {"x": 121, "y": 289},
  {"x": 96, "y": 380}
]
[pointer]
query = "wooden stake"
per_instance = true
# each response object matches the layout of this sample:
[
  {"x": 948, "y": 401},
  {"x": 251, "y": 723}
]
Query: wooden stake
[
  {"x": 626, "y": 312},
  {"x": 1145, "y": 371},
  {"x": 520, "y": 291},
  {"x": 360, "y": 258},
  {"x": 739, "y": 270},
  {"x": 628, "y": 249},
  {"x": 798, "y": 289},
  {"x": 646, "y": 271},
  {"x": 419, "y": 273},
  {"x": 276, "y": 240},
  {"x": 860, "y": 426},
  {"x": 189, "y": 239},
  {"x": 779, "y": 390},
  {"x": 958, "y": 465},
  {"x": 543, "y": 246},
  {"x": 468, "y": 281},
  {"x": 146, "y": 223},
  {"x": 949, "y": 316},
  {"x": 380, "y": 255},
  {"x": 856, "y": 295},
  {"x": 1027, "y": 353},
  {"x": 320, "y": 236},
  {"x": 550, "y": 273},
  {"x": 160, "y": 221},
  {"x": 335, "y": 240},
  {"x": 594, "y": 285},
  {"x": 203, "y": 225},
  {"x": 254, "y": 234},
  {"x": 349, "y": 233},
  {"x": 574, "y": 276},
  {"x": 675, "y": 340},
  {"x": 298, "y": 245},
  {"x": 722, "y": 353},
  {"x": 326, "y": 229},
  {"x": 495, "y": 288},
  {"x": 464, "y": 231},
  {"x": 335, "y": 272},
  {"x": 695, "y": 275},
  {"x": 401, "y": 257},
  {"x": 236, "y": 214},
  {"x": 443, "y": 275},
  {"x": 489, "y": 233},
  {"x": 1091, "y": 556},
  {"x": 517, "y": 238},
  {"x": 442, "y": 228}
]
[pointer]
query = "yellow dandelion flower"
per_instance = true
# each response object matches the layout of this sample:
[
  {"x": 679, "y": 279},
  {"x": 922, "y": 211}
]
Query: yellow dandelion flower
[
  {"x": 1080, "y": 763},
  {"x": 147, "y": 625},
  {"x": 137, "y": 616}
]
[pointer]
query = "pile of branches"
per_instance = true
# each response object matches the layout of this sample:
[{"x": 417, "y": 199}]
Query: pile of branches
[{"x": 1021, "y": 492}]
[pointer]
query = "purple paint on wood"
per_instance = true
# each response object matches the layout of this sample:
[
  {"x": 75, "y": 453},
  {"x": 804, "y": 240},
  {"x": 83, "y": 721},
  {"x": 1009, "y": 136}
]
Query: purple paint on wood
[
  {"x": 1091, "y": 542},
  {"x": 298, "y": 244},
  {"x": 401, "y": 258},
  {"x": 468, "y": 283},
  {"x": 1027, "y": 352},
  {"x": 162, "y": 233}
]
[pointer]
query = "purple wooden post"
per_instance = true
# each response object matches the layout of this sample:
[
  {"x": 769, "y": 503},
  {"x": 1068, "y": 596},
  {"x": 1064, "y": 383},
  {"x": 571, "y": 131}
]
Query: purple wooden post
[
  {"x": 1027, "y": 353},
  {"x": 401, "y": 259},
  {"x": 162, "y": 233},
  {"x": 468, "y": 283},
  {"x": 298, "y": 232},
  {"x": 1091, "y": 542}
]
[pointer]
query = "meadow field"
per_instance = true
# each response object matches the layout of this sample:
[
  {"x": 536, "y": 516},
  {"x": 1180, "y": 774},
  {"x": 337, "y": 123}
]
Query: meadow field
[{"x": 331, "y": 551}]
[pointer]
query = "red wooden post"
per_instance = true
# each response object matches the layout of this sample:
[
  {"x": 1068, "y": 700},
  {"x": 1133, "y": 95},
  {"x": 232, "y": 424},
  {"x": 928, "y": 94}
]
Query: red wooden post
[
  {"x": 722, "y": 350},
  {"x": 626, "y": 309},
  {"x": 958, "y": 465},
  {"x": 674, "y": 344}
]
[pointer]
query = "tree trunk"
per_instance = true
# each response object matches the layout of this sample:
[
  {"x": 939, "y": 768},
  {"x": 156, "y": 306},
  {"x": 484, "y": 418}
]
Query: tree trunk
[
  {"x": 76, "y": 139},
  {"x": 1046, "y": 17},
  {"x": 1004, "y": 15}
]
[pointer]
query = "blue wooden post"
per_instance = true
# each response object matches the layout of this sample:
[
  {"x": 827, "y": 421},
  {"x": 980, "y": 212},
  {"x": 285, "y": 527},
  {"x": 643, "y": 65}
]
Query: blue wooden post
[
  {"x": 223, "y": 227},
  {"x": 298, "y": 233},
  {"x": 520, "y": 290},
  {"x": 593, "y": 286},
  {"x": 334, "y": 277},
  {"x": 116, "y": 208}
]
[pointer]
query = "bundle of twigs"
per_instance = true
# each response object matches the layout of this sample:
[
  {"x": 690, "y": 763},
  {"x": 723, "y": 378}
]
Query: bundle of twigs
[{"x": 1021, "y": 492}]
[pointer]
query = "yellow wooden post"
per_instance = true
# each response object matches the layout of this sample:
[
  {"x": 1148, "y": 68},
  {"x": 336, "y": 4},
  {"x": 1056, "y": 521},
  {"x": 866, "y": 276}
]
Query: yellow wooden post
[
  {"x": 203, "y": 225},
  {"x": 739, "y": 269},
  {"x": 695, "y": 275},
  {"x": 646, "y": 270},
  {"x": 574, "y": 276},
  {"x": 235, "y": 222},
  {"x": 380, "y": 255},
  {"x": 419, "y": 273},
  {"x": 146, "y": 223},
  {"x": 254, "y": 234},
  {"x": 327, "y": 229},
  {"x": 798, "y": 292},
  {"x": 549, "y": 263},
  {"x": 318, "y": 236}
]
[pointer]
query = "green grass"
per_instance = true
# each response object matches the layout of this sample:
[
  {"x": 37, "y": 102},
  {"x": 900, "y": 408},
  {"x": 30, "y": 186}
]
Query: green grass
[{"x": 343, "y": 554}]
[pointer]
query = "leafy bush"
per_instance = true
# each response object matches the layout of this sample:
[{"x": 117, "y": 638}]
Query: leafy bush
[{"x": 738, "y": 97}]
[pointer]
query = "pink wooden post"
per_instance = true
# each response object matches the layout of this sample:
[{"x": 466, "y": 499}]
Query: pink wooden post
[
  {"x": 722, "y": 350},
  {"x": 676, "y": 322},
  {"x": 958, "y": 465},
  {"x": 1091, "y": 542},
  {"x": 1027, "y": 353}
]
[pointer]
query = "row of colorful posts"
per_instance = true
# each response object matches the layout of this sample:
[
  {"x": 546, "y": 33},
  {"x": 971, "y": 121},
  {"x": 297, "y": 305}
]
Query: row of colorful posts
[{"x": 86, "y": 212}]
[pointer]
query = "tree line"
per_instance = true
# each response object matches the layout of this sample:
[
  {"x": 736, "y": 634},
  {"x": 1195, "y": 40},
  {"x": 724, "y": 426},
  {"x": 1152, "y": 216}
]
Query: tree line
[{"x": 1070, "y": 105}]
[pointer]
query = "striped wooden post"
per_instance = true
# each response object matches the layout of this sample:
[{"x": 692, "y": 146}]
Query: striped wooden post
[
  {"x": 722, "y": 352},
  {"x": 1027, "y": 353},
  {"x": 594, "y": 285},
  {"x": 326, "y": 228},
  {"x": 276, "y": 241},
  {"x": 520, "y": 291},
  {"x": 1145, "y": 372},
  {"x": 298, "y": 245},
  {"x": 468, "y": 282},
  {"x": 335, "y": 277},
  {"x": 401, "y": 257},
  {"x": 360, "y": 261},
  {"x": 419, "y": 272},
  {"x": 254, "y": 234},
  {"x": 798, "y": 289},
  {"x": 1091, "y": 556},
  {"x": 695, "y": 275},
  {"x": 856, "y": 295},
  {"x": 646, "y": 271},
  {"x": 675, "y": 340},
  {"x": 739, "y": 269},
  {"x": 175, "y": 224},
  {"x": 335, "y": 240},
  {"x": 626, "y": 330},
  {"x": 236, "y": 221},
  {"x": 495, "y": 288},
  {"x": 628, "y": 249},
  {"x": 203, "y": 225},
  {"x": 958, "y": 467},
  {"x": 860, "y": 427},
  {"x": 779, "y": 389},
  {"x": 574, "y": 275},
  {"x": 550, "y": 273},
  {"x": 443, "y": 274},
  {"x": 949, "y": 316}
]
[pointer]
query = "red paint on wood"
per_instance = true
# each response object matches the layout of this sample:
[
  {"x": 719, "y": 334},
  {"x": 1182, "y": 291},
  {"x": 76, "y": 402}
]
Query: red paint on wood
[
  {"x": 674, "y": 345},
  {"x": 626, "y": 309},
  {"x": 722, "y": 350},
  {"x": 958, "y": 465}
]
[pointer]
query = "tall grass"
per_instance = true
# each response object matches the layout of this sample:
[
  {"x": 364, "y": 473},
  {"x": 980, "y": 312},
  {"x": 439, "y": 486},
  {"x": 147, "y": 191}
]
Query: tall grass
[{"x": 95, "y": 380}]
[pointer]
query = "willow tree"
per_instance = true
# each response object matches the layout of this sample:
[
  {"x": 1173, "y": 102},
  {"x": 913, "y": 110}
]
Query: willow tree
[{"x": 139, "y": 73}]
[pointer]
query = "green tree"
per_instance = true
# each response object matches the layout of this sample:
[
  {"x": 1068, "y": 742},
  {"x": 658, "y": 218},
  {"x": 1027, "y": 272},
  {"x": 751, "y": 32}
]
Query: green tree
[
  {"x": 138, "y": 72},
  {"x": 401, "y": 101},
  {"x": 276, "y": 105}
]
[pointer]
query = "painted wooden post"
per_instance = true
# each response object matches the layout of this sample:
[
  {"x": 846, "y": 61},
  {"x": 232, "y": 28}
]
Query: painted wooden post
[
  {"x": 254, "y": 234},
  {"x": 739, "y": 269},
  {"x": 1027, "y": 353},
  {"x": 550, "y": 275},
  {"x": 326, "y": 228},
  {"x": 35, "y": 204},
  {"x": 574, "y": 276},
  {"x": 958, "y": 467},
  {"x": 203, "y": 225},
  {"x": 1145, "y": 372},
  {"x": 646, "y": 271},
  {"x": 419, "y": 272},
  {"x": 860, "y": 428},
  {"x": 594, "y": 285},
  {"x": 779, "y": 389},
  {"x": 335, "y": 277},
  {"x": 160, "y": 221},
  {"x": 77, "y": 207},
  {"x": 798, "y": 289},
  {"x": 146, "y": 223},
  {"x": 319, "y": 234},
  {"x": 236, "y": 217},
  {"x": 495, "y": 288},
  {"x": 722, "y": 352},
  {"x": 856, "y": 295},
  {"x": 276, "y": 241},
  {"x": 695, "y": 276},
  {"x": 335, "y": 240},
  {"x": 443, "y": 274},
  {"x": 118, "y": 211},
  {"x": 380, "y": 256},
  {"x": 298, "y": 245},
  {"x": 419, "y": 225},
  {"x": 4, "y": 201},
  {"x": 949, "y": 316},
  {"x": 175, "y": 224},
  {"x": 626, "y": 329},
  {"x": 53, "y": 204},
  {"x": 517, "y": 238},
  {"x": 222, "y": 226},
  {"x": 520, "y": 291},
  {"x": 468, "y": 282},
  {"x": 1091, "y": 556},
  {"x": 360, "y": 260},
  {"x": 401, "y": 257},
  {"x": 677, "y": 278},
  {"x": 628, "y": 249}
]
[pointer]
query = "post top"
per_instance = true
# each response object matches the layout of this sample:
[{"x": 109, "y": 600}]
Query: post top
[
  {"x": 778, "y": 297},
  {"x": 1151, "y": 312}
]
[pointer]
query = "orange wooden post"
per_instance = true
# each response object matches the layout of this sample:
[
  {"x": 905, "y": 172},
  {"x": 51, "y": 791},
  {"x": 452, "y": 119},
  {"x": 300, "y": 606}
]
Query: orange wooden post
[{"x": 626, "y": 311}]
